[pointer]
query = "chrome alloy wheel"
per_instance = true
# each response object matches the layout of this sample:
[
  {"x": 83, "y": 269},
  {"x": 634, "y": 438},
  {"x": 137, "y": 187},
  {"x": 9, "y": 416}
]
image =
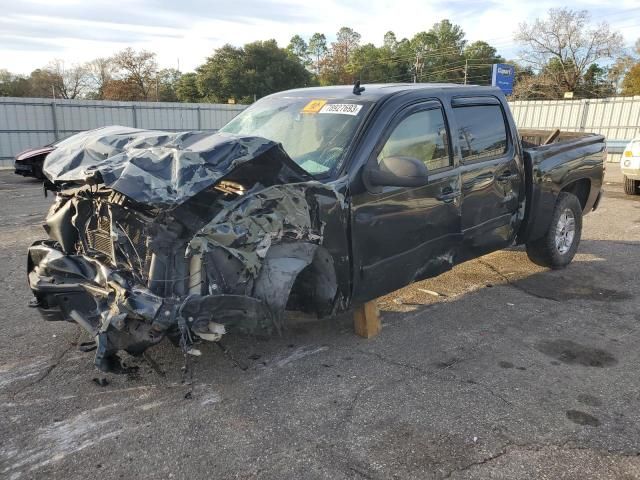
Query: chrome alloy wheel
[{"x": 565, "y": 231}]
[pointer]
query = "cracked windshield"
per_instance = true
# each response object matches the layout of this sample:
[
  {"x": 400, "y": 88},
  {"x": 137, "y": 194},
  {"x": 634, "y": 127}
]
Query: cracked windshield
[{"x": 315, "y": 133}]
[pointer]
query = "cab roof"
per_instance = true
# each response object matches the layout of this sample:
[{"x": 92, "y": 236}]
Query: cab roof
[{"x": 377, "y": 91}]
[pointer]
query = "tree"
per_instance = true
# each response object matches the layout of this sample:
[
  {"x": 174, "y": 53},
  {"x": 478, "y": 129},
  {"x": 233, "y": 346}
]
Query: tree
[
  {"x": 221, "y": 76},
  {"x": 101, "y": 71},
  {"x": 317, "y": 50},
  {"x": 479, "y": 57},
  {"x": 167, "y": 81},
  {"x": 390, "y": 62},
  {"x": 368, "y": 64},
  {"x": 390, "y": 42},
  {"x": 187, "y": 88},
  {"x": 269, "y": 69},
  {"x": 69, "y": 82},
  {"x": 334, "y": 67},
  {"x": 121, "y": 90},
  {"x": 258, "y": 69},
  {"x": 347, "y": 40},
  {"x": 139, "y": 69},
  {"x": 56, "y": 79},
  {"x": 13, "y": 85},
  {"x": 567, "y": 37},
  {"x": 42, "y": 83},
  {"x": 595, "y": 83},
  {"x": 631, "y": 82},
  {"x": 438, "y": 53},
  {"x": 527, "y": 85},
  {"x": 623, "y": 64},
  {"x": 299, "y": 49}
]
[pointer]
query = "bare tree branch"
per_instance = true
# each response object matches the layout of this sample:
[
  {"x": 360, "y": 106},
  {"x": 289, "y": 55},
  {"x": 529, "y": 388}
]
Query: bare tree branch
[{"x": 563, "y": 42}]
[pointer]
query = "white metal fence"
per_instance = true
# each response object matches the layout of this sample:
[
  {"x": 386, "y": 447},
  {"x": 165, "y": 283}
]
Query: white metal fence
[
  {"x": 33, "y": 122},
  {"x": 617, "y": 118}
]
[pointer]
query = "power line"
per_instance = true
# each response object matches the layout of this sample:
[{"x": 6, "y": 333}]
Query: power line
[
  {"x": 422, "y": 56},
  {"x": 452, "y": 67},
  {"x": 397, "y": 58},
  {"x": 448, "y": 67}
]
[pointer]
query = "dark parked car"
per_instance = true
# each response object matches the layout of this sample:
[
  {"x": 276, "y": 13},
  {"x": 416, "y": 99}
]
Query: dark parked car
[
  {"x": 314, "y": 199},
  {"x": 29, "y": 163}
]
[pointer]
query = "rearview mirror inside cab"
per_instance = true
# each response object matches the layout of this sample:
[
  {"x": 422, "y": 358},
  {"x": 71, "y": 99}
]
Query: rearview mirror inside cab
[{"x": 398, "y": 172}]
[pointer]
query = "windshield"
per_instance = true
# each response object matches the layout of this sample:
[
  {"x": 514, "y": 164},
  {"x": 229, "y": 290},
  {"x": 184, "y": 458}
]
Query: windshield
[{"x": 315, "y": 133}]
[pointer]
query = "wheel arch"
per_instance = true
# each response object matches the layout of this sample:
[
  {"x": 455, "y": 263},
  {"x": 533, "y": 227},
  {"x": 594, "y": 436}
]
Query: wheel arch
[
  {"x": 581, "y": 188},
  {"x": 298, "y": 275}
]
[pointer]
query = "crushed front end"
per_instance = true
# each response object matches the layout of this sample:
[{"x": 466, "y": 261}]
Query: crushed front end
[{"x": 185, "y": 236}]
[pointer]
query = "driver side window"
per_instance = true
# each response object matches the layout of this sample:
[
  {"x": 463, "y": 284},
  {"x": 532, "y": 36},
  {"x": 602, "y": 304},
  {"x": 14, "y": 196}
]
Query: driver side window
[{"x": 422, "y": 135}]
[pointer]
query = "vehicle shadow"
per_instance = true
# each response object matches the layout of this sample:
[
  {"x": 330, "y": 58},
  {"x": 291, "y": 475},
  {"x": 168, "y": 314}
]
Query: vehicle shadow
[{"x": 600, "y": 273}]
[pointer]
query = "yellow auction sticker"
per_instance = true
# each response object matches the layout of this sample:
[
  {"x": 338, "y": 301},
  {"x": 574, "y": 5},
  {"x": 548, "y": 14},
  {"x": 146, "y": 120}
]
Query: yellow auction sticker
[{"x": 314, "y": 106}]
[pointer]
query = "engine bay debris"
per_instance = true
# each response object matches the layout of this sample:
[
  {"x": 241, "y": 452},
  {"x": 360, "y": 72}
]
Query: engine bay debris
[{"x": 188, "y": 236}]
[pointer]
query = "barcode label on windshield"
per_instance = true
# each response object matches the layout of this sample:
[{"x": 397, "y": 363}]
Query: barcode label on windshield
[{"x": 343, "y": 108}]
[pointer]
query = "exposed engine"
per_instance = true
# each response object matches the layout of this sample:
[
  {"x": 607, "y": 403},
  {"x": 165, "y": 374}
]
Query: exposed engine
[{"x": 153, "y": 262}]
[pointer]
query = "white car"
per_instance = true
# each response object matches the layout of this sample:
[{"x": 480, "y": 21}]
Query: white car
[{"x": 630, "y": 165}]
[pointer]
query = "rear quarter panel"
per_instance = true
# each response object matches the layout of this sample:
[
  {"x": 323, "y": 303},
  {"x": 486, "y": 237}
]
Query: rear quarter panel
[{"x": 550, "y": 169}]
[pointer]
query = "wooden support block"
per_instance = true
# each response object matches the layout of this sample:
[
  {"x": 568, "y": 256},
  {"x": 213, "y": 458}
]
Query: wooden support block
[{"x": 366, "y": 320}]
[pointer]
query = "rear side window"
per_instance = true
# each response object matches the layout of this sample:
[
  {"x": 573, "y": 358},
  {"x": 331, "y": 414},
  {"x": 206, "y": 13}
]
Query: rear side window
[
  {"x": 481, "y": 131},
  {"x": 422, "y": 135}
]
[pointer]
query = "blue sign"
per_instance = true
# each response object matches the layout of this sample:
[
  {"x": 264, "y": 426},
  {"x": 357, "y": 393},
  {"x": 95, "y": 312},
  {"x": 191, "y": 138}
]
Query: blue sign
[{"x": 503, "y": 76}]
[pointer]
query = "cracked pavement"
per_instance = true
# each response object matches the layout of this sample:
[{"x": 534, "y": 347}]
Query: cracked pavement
[{"x": 497, "y": 369}]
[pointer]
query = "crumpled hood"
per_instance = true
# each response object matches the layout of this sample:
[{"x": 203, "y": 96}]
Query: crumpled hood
[{"x": 162, "y": 169}]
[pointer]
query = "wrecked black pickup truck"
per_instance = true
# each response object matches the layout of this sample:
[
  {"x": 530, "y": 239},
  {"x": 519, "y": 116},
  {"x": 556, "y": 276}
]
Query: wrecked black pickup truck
[{"x": 313, "y": 199}]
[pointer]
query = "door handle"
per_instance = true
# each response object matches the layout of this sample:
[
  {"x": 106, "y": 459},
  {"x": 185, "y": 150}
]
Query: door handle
[
  {"x": 507, "y": 176},
  {"x": 448, "y": 195}
]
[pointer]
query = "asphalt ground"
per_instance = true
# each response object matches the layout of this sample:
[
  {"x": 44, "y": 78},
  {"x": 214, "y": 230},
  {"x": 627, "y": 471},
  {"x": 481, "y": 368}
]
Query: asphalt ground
[{"x": 497, "y": 369}]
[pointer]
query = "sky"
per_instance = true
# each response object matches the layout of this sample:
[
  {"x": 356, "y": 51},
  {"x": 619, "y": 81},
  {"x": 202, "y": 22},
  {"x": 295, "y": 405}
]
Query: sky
[{"x": 185, "y": 32}]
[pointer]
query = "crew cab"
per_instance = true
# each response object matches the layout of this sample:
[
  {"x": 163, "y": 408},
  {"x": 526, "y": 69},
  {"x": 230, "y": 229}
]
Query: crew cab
[{"x": 314, "y": 199}]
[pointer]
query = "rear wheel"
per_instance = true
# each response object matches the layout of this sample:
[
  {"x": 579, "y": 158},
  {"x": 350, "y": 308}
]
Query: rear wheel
[
  {"x": 558, "y": 246},
  {"x": 631, "y": 186}
]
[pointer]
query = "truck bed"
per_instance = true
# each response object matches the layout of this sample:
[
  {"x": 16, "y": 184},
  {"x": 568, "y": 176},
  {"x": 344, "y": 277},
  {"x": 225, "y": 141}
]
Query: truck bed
[
  {"x": 532, "y": 138},
  {"x": 555, "y": 161}
]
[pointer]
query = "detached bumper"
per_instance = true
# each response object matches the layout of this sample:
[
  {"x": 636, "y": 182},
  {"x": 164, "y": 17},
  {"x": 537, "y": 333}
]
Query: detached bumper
[{"x": 58, "y": 283}]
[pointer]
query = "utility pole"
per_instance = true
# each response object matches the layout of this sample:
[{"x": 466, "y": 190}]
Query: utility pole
[
  {"x": 417, "y": 66},
  {"x": 466, "y": 65}
]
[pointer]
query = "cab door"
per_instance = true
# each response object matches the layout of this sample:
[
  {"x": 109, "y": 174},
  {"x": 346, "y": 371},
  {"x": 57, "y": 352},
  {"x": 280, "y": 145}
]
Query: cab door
[
  {"x": 491, "y": 175},
  {"x": 402, "y": 234}
]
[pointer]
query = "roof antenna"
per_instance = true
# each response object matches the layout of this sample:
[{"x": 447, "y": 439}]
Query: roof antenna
[{"x": 357, "y": 89}]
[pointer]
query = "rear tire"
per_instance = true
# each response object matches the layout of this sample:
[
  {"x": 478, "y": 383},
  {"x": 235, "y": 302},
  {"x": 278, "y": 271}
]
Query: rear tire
[
  {"x": 630, "y": 186},
  {"x": 559, "y": 244}
]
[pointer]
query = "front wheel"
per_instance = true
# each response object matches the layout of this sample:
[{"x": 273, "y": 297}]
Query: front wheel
[
  {"x": 631, "y": 186},
  {"x": 559, "y": 244}
]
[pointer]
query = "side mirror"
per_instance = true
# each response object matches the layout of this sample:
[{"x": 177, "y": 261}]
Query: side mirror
[{"x": 399, "y": 172}]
